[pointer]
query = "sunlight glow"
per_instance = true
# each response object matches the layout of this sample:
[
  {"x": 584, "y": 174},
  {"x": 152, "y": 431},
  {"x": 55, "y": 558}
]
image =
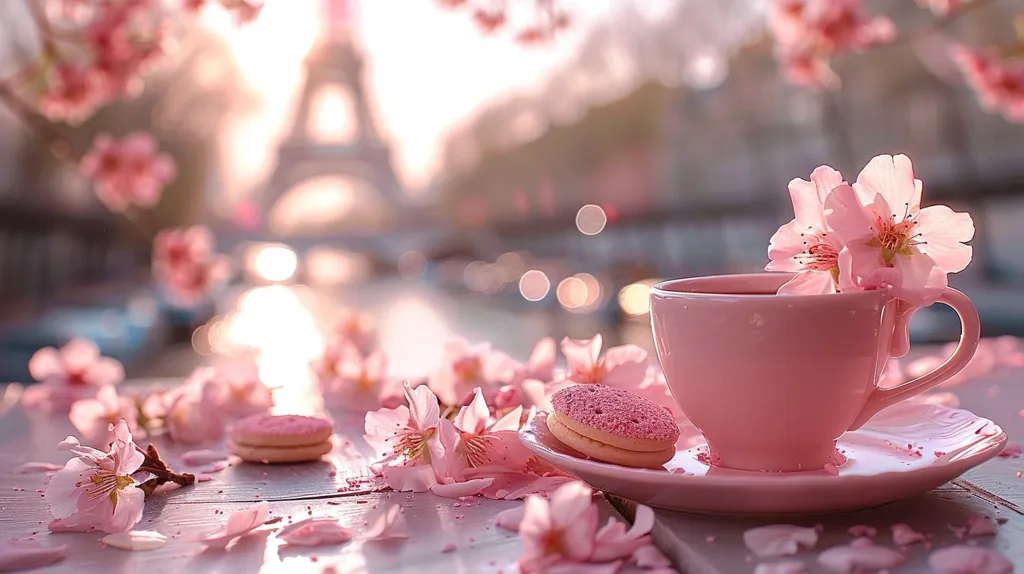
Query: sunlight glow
[{"x": 275, "y": 263}]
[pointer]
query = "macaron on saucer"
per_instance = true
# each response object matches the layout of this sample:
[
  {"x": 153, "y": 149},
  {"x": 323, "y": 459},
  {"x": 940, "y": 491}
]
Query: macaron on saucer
[{"x": 905, "y": 450}]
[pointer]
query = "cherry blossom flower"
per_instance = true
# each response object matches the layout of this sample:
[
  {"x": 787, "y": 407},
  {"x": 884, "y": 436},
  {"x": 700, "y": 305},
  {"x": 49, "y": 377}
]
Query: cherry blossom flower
[
  {"x": 806, "y": 244},
  {"x": 95, "y": 417},
  {"x": 193, "y": 413},
  {"x": 808, "y": 33},
  {"x": 74, "y": 371},
  {"x": 881, "y": 220},
  {"x": 963, "y": 559},
  {"x": 72, "y": 93},
  {"x": 26, "y": 555},
  {"x": 241, "y": 392},
  {"x": 406, "y": 439},
  {"x": 124, "y": 39},
  {"x": 127, "y": 172},
  {"x": 624, "y": 366},
  {"x": 388, "y": 524},
  {"x": 356, "y": 328},
  {"x": 466, "y": 367},
  {"x": 95, "y": 490},
  {"x": 997, "y": 81},
  {"x": 176, "y": 251},
  {"x": 317, "y": 531},
  {"x": 195, "y": 283},
  {"x": 469, "y": 441},
  {"x": 561, "y": 529},
  {"x": 779, "y": 539},
  {"x": 239, "y": 524},
  {"x": 614, "y": 541},
  {"x": 861, "y": 556},
  {"x": 360, "y": 382}
]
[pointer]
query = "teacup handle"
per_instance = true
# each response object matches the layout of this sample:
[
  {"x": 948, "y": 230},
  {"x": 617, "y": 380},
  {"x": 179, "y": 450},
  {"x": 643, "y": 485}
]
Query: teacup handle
[{"x": 970, "y": 334}]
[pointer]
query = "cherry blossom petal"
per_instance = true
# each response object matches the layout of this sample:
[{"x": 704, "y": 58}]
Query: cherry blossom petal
[
  {"x": 26, "y": 555},
  {"x": 511, "y": 518},
  {"x": 508, "y": 422},
  {"x": 846, "y": 215},
  {"x": 460, "y": 489},
  {"x": 410, "y": 478},
  {"x": 626, "y": 366},
  {"x": 922, "y": 282},
  {"x": 389, "y": 524},
  {"x": 1011, "y": 450},
  {"x": 808, "y": 282},
  {"x": 784, "y": 567},
  {"x": 239, "y": 524},
  {"x": 613, "y": 541},
  {"x": 581, "y": 353},
  {"x": 892, "y": 177},
  {"x": 784, "y": 245},
  {"x": 969, "y": 560},
  {"x": 79, "y": 354},
  {"x": 980, "y": 526},
  {"x": 541, "y": 364},
  {"x": 946, "y": 230},
  {"x": 650, "y": 557},
  {"x": 135, "y": 540},
  {"x": 311, "y": 532},
  {"x": 45, "y": 364},
  {"x": 862, "y": 557},
  {"x": 203, "y": 457},
  {"x": 473, "y": 418},
  {"x": 37, "y": 467},
  {"x": 779, "y": 539},
  {"x": 424, "y": 408},
  {"x": 105, "y": 371},
  {"x": 904, "y": 535}
]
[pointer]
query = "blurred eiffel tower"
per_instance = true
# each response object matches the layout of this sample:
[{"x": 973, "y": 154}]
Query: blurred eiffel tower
[{"x": 335, "y": 60}]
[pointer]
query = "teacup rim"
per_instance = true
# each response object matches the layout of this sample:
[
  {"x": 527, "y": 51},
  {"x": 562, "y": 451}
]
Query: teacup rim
[{"x": 662, "y": 289}]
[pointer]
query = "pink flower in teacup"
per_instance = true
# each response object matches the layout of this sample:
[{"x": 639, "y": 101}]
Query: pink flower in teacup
[
  {"x": 95, "y": 417},
  {"x": 95, "y": 490},
  {"x": 882, "y": 222},
  {"x": 470, "y": 442},
  {"x": 559, "y": 530},
  {"x": 406, "y": 440},
  {"x": 807, "y": 245},
  {"x": 624, "y": 366},
  {"x": 67, "y": 374}
]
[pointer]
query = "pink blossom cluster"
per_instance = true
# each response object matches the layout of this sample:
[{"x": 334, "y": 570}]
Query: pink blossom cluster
[
  {"x": 73, "y": 372},
  {"x": 129, "y": 172},
  {"x": 873, "y": 234},
  {"x": 185, "y": 264},
  {"x": 456, "y": 433},
  {"x": 97, "y": 51},
  {"x": 546, "y": 18},
  {"x": 560, "y": 534},
  {"x": 809, "y": 33},
  {"x": 997, "y": 80},
  {"x": 351, "y": 369}
]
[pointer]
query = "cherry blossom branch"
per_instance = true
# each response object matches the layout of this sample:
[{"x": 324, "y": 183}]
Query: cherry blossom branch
[
  {"x": 158, "y": 468},
  {"x": 42, "y": 26}
]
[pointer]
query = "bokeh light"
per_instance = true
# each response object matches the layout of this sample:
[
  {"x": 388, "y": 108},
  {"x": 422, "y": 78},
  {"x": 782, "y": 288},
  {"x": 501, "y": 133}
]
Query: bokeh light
[
  {"x": 412, "y": 265},
  {"x": 571, "y": 293},
  {"x": 591, "y": 219},
  {"x": 635, "y": 298},
  {"x": 705, "y": 69},
  {"x": 275, "y": 263},
  {"x": 594, "y": 291},
  {"x": 534, "y": 285}
]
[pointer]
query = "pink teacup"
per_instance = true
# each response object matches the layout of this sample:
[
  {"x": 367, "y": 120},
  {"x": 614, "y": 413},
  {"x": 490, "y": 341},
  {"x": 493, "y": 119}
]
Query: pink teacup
[{"x": 773, "y": 380}]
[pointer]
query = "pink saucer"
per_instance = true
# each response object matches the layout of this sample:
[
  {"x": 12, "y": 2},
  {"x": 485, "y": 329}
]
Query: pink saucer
[{"x": 904, "y": 450}]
